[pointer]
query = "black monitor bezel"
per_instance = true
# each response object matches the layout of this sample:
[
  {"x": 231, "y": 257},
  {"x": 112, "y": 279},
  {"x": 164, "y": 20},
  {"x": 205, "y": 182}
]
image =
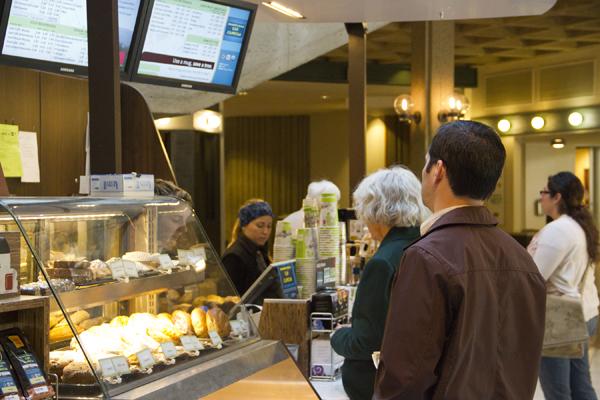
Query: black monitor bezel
[
  {"x": 63, "y": 68},
  {"x": 185, "y": 84}
]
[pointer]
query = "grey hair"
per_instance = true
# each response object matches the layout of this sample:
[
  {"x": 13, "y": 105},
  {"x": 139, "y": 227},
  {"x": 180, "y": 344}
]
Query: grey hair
[
  {"x": 390, "y": 197},
  {"x": 317, "y": 188}
]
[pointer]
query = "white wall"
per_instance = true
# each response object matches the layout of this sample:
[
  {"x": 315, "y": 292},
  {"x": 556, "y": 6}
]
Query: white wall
[
  {"x": 375, "y": 145},
  {"x": 542, "y": 161}
]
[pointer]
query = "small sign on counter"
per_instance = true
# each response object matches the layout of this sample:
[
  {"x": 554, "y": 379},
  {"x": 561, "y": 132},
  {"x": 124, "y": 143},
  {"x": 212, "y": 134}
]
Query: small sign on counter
[
  {"x": 169, "y": 349},
  {"x": 145, "y": 358},
  {"x": 215, "y": 338},
  {"x": 191, "y": 343}
]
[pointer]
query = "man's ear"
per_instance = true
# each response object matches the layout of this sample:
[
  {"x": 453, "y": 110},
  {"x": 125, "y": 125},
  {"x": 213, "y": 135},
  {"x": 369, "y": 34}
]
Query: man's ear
[{"x": 440, "y": 171}]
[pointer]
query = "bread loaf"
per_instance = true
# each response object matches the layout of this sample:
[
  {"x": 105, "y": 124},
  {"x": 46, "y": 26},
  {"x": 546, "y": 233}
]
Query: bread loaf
[
  {"x": 79, "y": 373},
  {"x": 217, "y": 320},
  {"x": 199, "y": 322},
  {"x": 182, "y": 321}
]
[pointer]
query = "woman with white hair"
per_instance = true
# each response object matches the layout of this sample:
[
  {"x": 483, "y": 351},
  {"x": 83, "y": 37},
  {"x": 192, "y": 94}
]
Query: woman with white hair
[{"x": 389, "y": 203}]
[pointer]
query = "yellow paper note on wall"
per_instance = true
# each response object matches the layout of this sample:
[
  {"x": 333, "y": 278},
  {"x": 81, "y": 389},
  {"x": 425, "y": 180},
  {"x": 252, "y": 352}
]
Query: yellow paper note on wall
[{"x": 10, "y": 154}]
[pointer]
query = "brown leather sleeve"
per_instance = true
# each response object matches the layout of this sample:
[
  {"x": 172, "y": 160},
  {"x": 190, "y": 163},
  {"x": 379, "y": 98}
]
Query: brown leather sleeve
[{"x": 415, "y": 330}]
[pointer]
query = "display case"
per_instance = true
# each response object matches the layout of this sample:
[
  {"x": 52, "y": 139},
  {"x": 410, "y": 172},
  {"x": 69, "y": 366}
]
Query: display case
[{"x": 139, "y": 301}]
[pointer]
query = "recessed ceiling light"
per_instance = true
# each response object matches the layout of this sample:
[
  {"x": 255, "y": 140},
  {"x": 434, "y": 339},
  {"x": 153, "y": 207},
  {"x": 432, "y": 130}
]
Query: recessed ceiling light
[
  {"x": 283, "y": 9},
  {"x": 537, "y": 122},
  {"x": 558, "y": 143},
  {"x": 244, "y": 93},
  {"x": 324, "y": 97},
  {"x": 504, "y": 125},
  {"x": 575, "y": 119}
]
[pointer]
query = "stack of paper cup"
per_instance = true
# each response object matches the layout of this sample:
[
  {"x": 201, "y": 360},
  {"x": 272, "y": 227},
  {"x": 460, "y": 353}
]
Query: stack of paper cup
[
  {"x": 307, "y": 243},
  {"x": 342, "y": 265},
  {"x": 283, "y": 248},
  {"x": 328, "y": 214},
  {"x": 307, "y": 254},
  {"x": 329, "y": 230},
  {"x": 311, "y": 212}
]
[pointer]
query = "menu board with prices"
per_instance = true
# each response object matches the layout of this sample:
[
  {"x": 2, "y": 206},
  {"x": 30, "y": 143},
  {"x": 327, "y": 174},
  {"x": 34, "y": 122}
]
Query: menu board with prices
[
  {"x": 56, "y": 30},
  {"x": 50, "y": 30},
  {"x": 194, "y": 40}
]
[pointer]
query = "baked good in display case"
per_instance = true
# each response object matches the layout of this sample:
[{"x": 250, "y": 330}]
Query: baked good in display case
[{"x": 129, "y": 305}]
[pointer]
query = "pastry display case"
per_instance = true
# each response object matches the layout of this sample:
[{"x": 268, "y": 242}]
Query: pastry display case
[{"x": 139, "y": 301}]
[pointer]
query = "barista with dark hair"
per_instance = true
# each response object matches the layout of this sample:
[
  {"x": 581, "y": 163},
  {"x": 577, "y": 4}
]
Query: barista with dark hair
[{"x": 247, "y": 255}]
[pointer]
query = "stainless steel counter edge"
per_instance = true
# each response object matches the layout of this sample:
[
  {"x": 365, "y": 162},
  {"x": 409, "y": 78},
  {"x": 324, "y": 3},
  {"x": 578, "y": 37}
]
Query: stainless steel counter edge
[{"x": 200, "y": 380}]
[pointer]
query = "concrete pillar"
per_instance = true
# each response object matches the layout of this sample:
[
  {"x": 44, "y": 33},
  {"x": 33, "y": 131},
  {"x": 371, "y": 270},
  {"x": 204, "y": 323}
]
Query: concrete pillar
[
  {"x": 357, "y": 102},
  {"x": 432, "y": 82}
]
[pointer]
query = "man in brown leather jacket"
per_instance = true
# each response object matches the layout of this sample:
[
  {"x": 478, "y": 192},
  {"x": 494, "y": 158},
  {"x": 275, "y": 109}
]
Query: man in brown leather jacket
[{"x": 466, "y": 315}]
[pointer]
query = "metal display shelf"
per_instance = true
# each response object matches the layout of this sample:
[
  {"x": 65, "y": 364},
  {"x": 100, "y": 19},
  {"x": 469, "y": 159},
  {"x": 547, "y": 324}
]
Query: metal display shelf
[{"x": 119, "y": 291}]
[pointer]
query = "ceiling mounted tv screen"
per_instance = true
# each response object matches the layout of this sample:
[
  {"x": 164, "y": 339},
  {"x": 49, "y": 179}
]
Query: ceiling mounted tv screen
[
  {"x": 194, "y": 44},
  {"x": 52, "y": 35}
]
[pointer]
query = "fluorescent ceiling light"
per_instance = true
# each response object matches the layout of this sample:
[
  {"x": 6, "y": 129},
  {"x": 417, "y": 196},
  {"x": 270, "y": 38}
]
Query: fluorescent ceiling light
[{"x": 283, "y": 9}]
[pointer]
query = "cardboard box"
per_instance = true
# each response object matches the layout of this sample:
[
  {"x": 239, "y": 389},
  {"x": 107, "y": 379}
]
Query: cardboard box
[{"x": 122, "y": 185}]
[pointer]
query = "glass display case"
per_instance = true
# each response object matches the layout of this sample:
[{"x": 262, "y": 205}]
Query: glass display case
[{"x": 138, "y": 295}]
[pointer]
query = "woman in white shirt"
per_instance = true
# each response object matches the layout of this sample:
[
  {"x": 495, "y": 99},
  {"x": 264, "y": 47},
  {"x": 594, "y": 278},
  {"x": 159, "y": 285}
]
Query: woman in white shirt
[{"x": 562, "y": 250}]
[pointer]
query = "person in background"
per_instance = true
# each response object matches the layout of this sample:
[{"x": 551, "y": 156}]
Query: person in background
[
  {"x": 246, "y": 256},
  {"x": 314, "y": 191},
  {"x": 466, "y": 313},
  {"x": 167, "y": 188},
  {"x": 564, "y": 250},
  {"x": 389, "y": 203}
]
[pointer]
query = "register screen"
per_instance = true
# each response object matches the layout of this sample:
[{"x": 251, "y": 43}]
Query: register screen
[
  {"x": 56, "y": 30},
  {"x": 194, "y": 40}
]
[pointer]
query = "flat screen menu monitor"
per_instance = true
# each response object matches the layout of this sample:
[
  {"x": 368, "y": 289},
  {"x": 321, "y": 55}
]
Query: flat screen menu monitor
[
  {"x": 194, "y": 44},
  {"x": 51, "y": 35}
]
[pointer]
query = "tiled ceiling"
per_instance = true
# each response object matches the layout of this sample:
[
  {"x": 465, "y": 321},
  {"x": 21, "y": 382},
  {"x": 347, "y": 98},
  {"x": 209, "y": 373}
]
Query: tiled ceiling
[{"x": 569, "y": 25}]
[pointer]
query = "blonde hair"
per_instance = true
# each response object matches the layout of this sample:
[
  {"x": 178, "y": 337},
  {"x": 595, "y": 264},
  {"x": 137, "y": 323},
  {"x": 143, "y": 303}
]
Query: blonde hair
[{"x": 237, "y": 229}]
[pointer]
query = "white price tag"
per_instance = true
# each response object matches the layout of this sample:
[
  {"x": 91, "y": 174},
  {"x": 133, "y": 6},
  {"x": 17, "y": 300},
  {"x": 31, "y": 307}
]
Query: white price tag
[
  {"x": 165, "y": 261},
  {"x": 168, "y": 349},
  {"x": 145, "y": 358},
  {"x": 236, "y": 327},
  {"x": 117, "y": 269},
  {"x": 121, "y": 365},
  {"x": 215, "y": 338},
  {"x": 184, "y": 256},
  {"x": 199, "y": 252},
  {"x": 191, "y": 343},
  {"x": 107, "y": 367},
  {"x": 130, "y": 269}
]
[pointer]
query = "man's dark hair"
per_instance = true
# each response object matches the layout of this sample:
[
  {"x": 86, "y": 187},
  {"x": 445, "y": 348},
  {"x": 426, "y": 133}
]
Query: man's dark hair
[{"x": 473, "y": 155}]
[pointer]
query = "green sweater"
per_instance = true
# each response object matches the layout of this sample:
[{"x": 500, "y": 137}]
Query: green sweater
[{"x": 357, "y": 343}]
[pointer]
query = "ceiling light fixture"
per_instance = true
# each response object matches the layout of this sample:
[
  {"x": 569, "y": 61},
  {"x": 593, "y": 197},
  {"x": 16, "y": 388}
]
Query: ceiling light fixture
[
  {"x": 575, "y": 119},
  {"x": 504, "y": 125},
  {"x": 162, "y": 123},
  {"x": 243, "y": 93},
  {"x": 537, "y": 122},
  {"x": 558, "y": 143},
  {"x": 208, "y": 121},
  {"x": 283, "y": 9},
  {"x": 324, "y": 97}
]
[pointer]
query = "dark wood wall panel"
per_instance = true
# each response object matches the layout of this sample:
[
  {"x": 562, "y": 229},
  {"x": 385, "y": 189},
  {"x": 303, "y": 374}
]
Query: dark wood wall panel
[
  {"x": 64, "y": 106},
  {"x": 268, "y": 158},
  {"x": 143, "y": 150},
  {"x": 20, "y": 105}
]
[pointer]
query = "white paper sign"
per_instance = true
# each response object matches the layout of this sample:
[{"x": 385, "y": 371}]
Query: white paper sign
[
  {"x": 117, "y": 269},
  {"x": 199, "y": 252},
  {"x": 165, "y": 261},
  {"x": 130, "y": 269},
  {"x": 108, "y": 368},
  {"x": 215, "y": 338},
  {"x": 145, "y": 358},
  {"x": 191, "y": 343},
  {"x": 121, "y": 365},
  {"x": 168, "y": 349},
  {"x": 29, "y": 157}
]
